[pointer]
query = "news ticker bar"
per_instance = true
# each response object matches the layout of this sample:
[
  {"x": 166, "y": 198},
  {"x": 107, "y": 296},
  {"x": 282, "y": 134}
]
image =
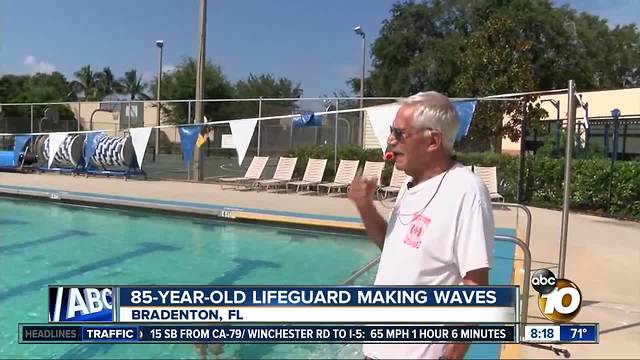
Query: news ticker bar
[
  {"x": 564, "y": 333},
  {"x": 379, "y": 333},
  {"x": 129, "y": 333}
]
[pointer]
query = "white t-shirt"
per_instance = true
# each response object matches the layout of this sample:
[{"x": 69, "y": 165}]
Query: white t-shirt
[{"x": 435, "y": 245}]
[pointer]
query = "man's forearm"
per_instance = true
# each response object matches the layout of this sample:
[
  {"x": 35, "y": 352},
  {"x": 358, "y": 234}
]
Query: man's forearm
[{"x": 374, "y": 223}]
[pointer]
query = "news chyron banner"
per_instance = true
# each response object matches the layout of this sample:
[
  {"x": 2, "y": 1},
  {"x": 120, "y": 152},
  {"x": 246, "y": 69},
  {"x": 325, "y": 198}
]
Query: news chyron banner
[
  {"x": 341, "y": 304},
  {"x": 299, "y": 314}
]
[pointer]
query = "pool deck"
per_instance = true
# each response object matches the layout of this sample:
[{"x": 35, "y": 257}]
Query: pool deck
[{"x": 603, "y": 255}]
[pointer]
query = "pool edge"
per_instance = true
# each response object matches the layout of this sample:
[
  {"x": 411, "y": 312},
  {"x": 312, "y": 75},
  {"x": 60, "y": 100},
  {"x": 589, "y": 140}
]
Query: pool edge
[{"x": 219, "y": 212}]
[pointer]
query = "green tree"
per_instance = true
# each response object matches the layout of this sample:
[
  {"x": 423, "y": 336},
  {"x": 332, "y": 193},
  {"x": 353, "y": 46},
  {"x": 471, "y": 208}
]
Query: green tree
[
  {"x": 132, "y": 86},
  {"x": 35, "y": 88},
  {"x": 106, "y": 83},
  {"x": 468, "y": 48},
  {"x": 417, "y": 48},
  {"x": 180, "y": 84},
  {"x": 496, "y": 59},
  {"x": 85, "y": 86},
  {"x": 265, "y": 85}
]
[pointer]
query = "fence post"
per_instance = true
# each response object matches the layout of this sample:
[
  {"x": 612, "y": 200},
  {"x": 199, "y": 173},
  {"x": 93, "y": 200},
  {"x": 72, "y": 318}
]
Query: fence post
[
  {"x": 335, "y": 139},
  {"x": 128, "y": 115},
  {"x": 568, "y": 151},
  {"x": 259, "y": 122},
  {"x": 523, "y": 141},
  {"x": 80, "y": 117},
  {"x": 32, "y": 118}
]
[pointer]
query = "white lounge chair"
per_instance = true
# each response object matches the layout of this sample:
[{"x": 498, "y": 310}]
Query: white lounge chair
[
  {"x": 254, "y": 172},
  {"x": 344, "y": 176},
  {"x": 312, "y": 174},
  {"x": 283, "y": 174},
  {"x": 489, "y": 176},
  {"x": 395, "y": 184},
  {"x": 373, "y": 169}
]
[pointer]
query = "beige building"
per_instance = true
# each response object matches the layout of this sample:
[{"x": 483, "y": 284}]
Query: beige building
[
  {"x": 124, "y": 116},
  {"x": 599, "y": 105}
]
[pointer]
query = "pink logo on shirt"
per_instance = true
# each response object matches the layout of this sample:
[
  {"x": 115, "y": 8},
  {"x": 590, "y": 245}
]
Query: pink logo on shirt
[{"x": 417, "y": 228}]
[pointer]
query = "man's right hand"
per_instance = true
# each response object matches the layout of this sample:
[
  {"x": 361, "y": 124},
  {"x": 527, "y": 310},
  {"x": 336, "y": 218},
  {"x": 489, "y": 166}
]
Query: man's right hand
[{"x": 362, "y": 190}]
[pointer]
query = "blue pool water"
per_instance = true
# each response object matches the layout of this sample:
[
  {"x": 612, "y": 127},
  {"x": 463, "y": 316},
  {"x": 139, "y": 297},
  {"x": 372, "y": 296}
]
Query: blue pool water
[{"x": 44, "y": 244}]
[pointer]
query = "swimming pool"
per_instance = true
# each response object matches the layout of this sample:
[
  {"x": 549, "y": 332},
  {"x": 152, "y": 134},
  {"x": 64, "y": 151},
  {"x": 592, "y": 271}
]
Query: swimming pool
[{"x": 45, "y": 243}]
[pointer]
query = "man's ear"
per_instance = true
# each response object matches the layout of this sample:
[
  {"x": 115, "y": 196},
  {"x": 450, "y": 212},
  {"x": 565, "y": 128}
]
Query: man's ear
[{"x": 435, "y": 140}]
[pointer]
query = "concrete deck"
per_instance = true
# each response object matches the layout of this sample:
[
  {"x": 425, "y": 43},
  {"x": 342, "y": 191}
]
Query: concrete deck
[{"x": 603, "y": 255}]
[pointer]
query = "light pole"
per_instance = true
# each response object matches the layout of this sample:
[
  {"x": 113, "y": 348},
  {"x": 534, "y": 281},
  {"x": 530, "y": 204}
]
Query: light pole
[
  {"x": 358, "y": 30},
  {"x": 159, "y": 44},
  {"x": 199, "y": 116}
]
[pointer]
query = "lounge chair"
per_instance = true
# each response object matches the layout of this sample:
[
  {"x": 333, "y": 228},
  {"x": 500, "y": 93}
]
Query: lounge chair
[
  {"x": 312, "y": 174},
  {"x": 254, "y": 172},
  {"x": 373, "y": 169},
  {"x": 490, "y": 178},
  {"x": 395, "y": 184},
  {"x": 283, "y": 174},
  {"x": 344, "y": 176}
]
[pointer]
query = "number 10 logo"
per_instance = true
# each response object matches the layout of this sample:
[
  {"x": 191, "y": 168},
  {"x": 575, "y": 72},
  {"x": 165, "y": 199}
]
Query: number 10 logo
[{"x": 559, "y": 299}]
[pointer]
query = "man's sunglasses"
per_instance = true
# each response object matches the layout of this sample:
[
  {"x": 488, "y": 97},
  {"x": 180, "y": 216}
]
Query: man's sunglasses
[{"x": 401, "y": 134}]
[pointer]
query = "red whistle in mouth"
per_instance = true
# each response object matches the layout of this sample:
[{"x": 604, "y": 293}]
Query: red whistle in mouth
[{"x": 388, "y": 155}]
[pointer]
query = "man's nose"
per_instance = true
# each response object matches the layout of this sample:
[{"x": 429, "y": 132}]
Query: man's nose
[{"x": 391, "y": 139}]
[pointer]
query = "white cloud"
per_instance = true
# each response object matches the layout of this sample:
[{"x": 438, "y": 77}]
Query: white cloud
[
  {"x": 38, "y": 66},
  {"x": 169, "y": 68}
]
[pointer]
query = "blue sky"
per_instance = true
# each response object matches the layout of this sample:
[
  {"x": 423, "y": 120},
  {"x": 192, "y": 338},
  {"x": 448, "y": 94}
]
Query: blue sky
[{"x": 308, "y": 41}]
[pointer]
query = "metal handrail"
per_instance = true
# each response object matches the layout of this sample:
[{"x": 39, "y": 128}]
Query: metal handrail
[
  {"x": 524, "y": 310},
  {"x": 527, "y": 234},
  {"x": 527, "y": 239},
  {"x": 356, "y": 274}
]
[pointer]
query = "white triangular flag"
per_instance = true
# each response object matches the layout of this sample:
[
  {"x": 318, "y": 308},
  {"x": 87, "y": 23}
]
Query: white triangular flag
[
  {"x": 55, "y": 140},
  {"x": 140, "y": 139},
  {"x": 380, "y": 118},
  {"x": 242, "y": 132}
]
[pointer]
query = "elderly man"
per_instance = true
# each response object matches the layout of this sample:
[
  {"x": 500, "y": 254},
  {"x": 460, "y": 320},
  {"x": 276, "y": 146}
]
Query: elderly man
[{"x": 441, "y": 229}]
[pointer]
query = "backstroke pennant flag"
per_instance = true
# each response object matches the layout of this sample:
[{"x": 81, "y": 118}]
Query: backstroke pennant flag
[
  {"x": 464, "y": 110},
  {"x": 306, "y": 119},
  {"x": 242, "y": 132},
  {"x": 20, "y": 142},
  {"x": 55, "y": 140},
  {"x": 188, "y": 136},
  {"x": 380, "y": 118},
  {"x": 140, "y": 139},
  {"x": 91, "y": 143}
]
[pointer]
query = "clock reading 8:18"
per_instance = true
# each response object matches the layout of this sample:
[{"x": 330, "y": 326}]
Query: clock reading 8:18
[{"x": 542, "y": 333}]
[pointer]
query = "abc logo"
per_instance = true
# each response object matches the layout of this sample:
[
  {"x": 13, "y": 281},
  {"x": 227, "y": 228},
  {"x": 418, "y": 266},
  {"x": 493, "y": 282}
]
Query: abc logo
[{"x": 559, "y": 299}]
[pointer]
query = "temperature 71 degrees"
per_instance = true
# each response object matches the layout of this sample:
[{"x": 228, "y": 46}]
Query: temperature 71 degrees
[{"x": 577, "y": 333}]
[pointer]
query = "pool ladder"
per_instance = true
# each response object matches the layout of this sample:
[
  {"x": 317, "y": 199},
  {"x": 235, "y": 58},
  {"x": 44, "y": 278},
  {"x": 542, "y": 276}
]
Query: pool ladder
[{"x": 526, "y": 281}]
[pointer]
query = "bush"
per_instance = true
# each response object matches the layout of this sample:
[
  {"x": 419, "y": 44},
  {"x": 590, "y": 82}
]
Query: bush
[
  {"x": 544, "y": 182},
  {"x": 544, "y": 177}
]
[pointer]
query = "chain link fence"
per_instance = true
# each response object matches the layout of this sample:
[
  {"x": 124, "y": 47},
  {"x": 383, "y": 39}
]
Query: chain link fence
[{"x": 272, "y": 137}]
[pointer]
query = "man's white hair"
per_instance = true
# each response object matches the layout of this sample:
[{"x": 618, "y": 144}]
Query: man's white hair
[{"x": 434, "y": 111}]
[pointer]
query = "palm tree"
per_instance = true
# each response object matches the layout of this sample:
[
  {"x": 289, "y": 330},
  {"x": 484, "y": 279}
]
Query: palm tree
[
  {"x": 86, "y": 83},
  {"x": 106, "y": 83},
  {"x": 133, "y": 86}
]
